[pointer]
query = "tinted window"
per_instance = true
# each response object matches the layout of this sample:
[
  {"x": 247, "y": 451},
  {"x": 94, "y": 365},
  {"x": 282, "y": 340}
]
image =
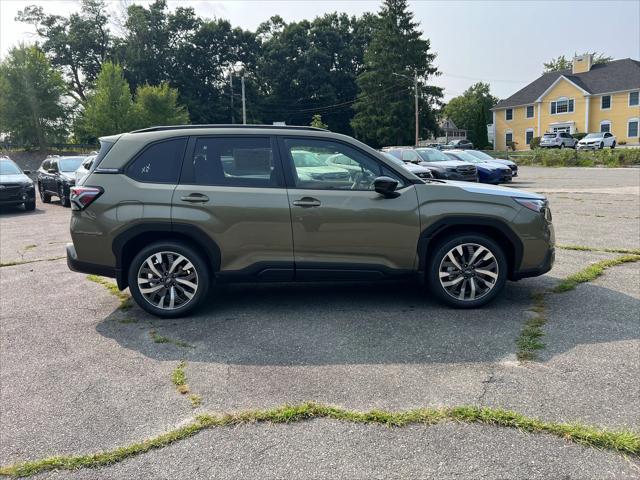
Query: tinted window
[
  {"x": 159, "y": 163},
  {"x": 45, "y": 165},
  {"x": 326, "y": 165},
  {"x": 232, "y": 161}
]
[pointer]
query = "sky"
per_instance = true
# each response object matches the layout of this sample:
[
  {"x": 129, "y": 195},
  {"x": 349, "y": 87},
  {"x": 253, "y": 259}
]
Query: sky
[{"x": 503, "y": 43}]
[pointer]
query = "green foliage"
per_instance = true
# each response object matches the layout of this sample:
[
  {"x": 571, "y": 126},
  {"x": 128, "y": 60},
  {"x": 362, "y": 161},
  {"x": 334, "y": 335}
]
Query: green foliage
[
  {"x": 592, "y": 272},
  {"x": 465, "y": 111},
  {"x": 31, "y": 109},
  {"x": 317, "y": 122},
  {"x": 564, "y": 63},
  {"x": 579, "y": 135},
  {"x": 109, "y": 109},
  {"x": 77, "y": 44},
  {"x": 158, "y": 105},
  {"x": 385, "y": 104},
  {"x": 534, "y": 143}
]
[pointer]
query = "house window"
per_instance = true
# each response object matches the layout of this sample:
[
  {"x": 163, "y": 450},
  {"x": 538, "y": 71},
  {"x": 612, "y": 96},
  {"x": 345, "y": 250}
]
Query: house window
[
  {"x": 508, "y": 138},
  {"x": 632, "y": 128},
  {"x": 605, "y": 126},
  {"x": 528, "y": 136},
  {"x": 633, "y": 99},
  {"x": 529, "y": 111},
  {"x": 508, "y": 114},
  {"x": 605, "y": 102},
  {"x": 562, "y": 105}
]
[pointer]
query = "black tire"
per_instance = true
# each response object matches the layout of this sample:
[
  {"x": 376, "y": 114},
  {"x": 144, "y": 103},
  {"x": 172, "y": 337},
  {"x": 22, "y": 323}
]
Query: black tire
[
  {"x": 440, "y": 251},
  {"x": 613, "y": 145},
  {"x": 601, "y": 145},
  {"x": 30, "y": 205},
  {"x": 561, "y": 146},
  {"x": 44, "y": 196},
  {"x": 199, "y": 264},
  {"x": 63, "y": 193}
]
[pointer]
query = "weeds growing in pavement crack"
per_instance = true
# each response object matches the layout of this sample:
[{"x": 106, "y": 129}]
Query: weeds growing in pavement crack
[
  {"x": 125, "y": 298},
  {"x": 161, "y": 339},
  {"x": 179, "y": 378},
  {"x": 582, "y": 248},
  {"x": 623, "y": 441},
  {"x": 24, "y": 262},
  {"x": 529, "y": 341},
  {"x": 196, "y": 400}
]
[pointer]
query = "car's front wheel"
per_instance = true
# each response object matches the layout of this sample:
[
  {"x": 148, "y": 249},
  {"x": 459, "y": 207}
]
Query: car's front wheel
[
  {"x": 30, "y": 205},
  {"x": 63, "y": 194},
  {"x": 467, "y": 270},
  {"x": 44, "y": 196},
  {"x": 613, "y": 145},
  {"x": 168, "y": 279}
]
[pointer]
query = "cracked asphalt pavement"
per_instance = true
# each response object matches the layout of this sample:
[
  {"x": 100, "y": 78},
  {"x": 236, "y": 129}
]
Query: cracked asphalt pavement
[{"x": 77, "y": 375}]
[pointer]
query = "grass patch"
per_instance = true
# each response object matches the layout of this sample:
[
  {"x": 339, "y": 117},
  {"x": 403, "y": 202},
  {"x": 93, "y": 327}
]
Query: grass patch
[
  {"x": 30, "y": 247},
  {"x": 623, "y": 441},
  {"x": 179, "y": 378},
  {"x": 23, "y": 262},
  {"x": 161, "y": 339},
  {"x": 196, "y": 400},
  {"x": 582, "y": 248},
  {"x": 592, "y": 272},
  {"x": 529, "y": 341},
  {"x": 125, "y": 298}
]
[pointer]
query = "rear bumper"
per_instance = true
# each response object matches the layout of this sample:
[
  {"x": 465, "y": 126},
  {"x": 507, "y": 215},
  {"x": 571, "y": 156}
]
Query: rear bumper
[{"x": 83, "y": 267}]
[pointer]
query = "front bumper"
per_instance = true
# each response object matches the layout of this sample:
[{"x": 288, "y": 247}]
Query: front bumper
[
  {"x": 76, "y": 265},
  {"x": 460, "y": 177},
  {"x": 17, "y": 195},
  {"x": 588, "y": 147},
  {"x": 546, "y": 265}
]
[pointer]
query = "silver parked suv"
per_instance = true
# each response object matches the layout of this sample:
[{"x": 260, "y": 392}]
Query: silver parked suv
[{"x": 558, "y": 140}]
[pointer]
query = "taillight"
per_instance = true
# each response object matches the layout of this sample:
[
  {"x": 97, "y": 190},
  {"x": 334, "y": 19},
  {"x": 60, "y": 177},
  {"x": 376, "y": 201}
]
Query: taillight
[{"x": 82, "y": 197}]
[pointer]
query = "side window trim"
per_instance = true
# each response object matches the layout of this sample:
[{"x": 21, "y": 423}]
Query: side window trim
[
  {"x": 187, "y": 172},
  {"x": 288, "y": 166}
]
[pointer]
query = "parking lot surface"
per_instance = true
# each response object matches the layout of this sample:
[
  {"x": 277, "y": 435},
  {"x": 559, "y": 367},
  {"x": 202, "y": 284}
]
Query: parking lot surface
[{"x": 79, "y": 375}]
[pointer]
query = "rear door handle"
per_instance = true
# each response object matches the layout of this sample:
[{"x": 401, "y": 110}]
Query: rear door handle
[
  {"x": 195, "y": 198},
  {"x": 307, "y": 202}
]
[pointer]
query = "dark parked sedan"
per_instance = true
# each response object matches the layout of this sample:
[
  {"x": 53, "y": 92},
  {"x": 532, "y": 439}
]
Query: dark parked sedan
[
  {"x": 15, "y": 187},
  {"x": 488, "y": 172},
  {"x": 488, "y": 158},
  {"x": 444, "y": 167},
  {"x": 56, "y": 176}
]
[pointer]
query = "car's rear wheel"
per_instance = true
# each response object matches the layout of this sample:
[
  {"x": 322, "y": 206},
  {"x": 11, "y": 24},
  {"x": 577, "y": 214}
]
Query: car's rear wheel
[
  {"x": 63, "y": 193},
  {"x": 467, "y": 270},
  {"x": 168, "y": 279},
  {"x": 613, "y": 145},
  {"x": 601, "y": 145},
  {"x": 561, "y": 146},
  {"x": 44, "y": 196}
]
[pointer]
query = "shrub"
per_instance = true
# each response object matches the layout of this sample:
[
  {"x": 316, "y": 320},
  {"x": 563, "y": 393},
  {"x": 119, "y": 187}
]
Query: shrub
[
  {"x": 620, "y": 157},
  {"x": 535, "y": 143},
  {"x": 578, "y": 135}
]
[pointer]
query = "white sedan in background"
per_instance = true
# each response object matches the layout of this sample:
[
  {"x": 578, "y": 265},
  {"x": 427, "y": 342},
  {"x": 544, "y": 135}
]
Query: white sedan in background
[
  {"x": 597, "y": 140},
  {"x": 84, "y": 168}
]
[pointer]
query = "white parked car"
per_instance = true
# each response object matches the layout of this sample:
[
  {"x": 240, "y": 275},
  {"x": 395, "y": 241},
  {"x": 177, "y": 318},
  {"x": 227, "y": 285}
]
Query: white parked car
[
  {"x": 597, "y": 140},
  {"x": 84, "y": 168}
]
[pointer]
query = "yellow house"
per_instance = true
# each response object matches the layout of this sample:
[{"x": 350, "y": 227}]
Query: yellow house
[{"x": 586, "y": 98}]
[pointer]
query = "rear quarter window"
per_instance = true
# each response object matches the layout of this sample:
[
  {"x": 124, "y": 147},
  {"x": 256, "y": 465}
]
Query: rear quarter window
[{"x": 159, "y": 162}]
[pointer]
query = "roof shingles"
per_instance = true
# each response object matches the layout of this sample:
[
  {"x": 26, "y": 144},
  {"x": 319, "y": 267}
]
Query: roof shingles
[{"x": 614, "y": 76}]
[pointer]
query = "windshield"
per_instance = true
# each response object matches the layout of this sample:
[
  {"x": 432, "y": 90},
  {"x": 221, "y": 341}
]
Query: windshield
[
  {"x": 306, "y": 159},
  {"x": 70, "y": 164},
  {"x": 393, "y": 159},
  {"x": 7, "y": 167},
  {"x": 431, "y": 155},
  {"x": 464, "y": 156},
  {"x": 594, "y": 135},
  {"x": 480, "y": 155},
  {"x": 549, "y": 135}
]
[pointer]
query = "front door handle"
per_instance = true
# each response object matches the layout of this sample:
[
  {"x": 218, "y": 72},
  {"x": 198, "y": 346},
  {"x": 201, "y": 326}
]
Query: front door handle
[
  {"x": 195, "y": 198},
  {"x": 307, "y": 202}
]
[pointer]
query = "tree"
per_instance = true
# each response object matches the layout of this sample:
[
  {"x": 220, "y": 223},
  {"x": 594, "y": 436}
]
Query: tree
[
  {"x": 317, "y": 122},
  {"x": 109, "y": 109},
  {"x": 77, "y": 44},
  {"x": 158, "y": 105},
  {"x": 480, "y": 136},
  {"x": 31, "y": 108},
  {"x": 465, "y": 110},
  {"x": 562, "y": 63},
  {"x": 385, "y": 103}
]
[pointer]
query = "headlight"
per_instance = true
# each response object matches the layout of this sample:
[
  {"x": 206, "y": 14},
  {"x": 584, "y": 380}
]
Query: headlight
[
  {"x": 532, "y": 203},
  {"x": 450, "y": 169}
]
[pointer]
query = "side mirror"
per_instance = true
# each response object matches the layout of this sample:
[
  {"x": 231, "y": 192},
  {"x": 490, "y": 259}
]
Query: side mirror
[
  {"x": 386, "y": 186},
  {"x": 27, "y": 172}
]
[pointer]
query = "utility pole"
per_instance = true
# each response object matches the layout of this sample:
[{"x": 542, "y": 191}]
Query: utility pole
[
  {"x": 244, "y": 107},
  {"x": 415, "y": 87},
  {"x": 233, "y": 119}
]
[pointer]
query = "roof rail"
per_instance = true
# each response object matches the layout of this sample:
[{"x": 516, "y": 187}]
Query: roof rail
[{"x": 190, "y": 127}]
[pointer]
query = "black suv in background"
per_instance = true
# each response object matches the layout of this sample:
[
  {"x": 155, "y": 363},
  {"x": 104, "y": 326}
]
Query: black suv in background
[
  {"x": 441, "y": 166},
  {"x": 15, "y": 187},
  {"x": 56, "y": 176}
]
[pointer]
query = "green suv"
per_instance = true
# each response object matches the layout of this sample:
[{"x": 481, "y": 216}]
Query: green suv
[{"x": 169, "y": 210}]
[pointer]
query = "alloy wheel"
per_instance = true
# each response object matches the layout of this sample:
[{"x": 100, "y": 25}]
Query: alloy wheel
[
  {"x": 167, "y": 280},
  {"x": 468, "y": 271}
]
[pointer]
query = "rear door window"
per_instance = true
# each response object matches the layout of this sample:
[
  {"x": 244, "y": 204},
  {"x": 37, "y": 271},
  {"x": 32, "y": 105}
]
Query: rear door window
[
  {"x": 160, "y": 162},
  {"x": 233, "y": 161}
]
